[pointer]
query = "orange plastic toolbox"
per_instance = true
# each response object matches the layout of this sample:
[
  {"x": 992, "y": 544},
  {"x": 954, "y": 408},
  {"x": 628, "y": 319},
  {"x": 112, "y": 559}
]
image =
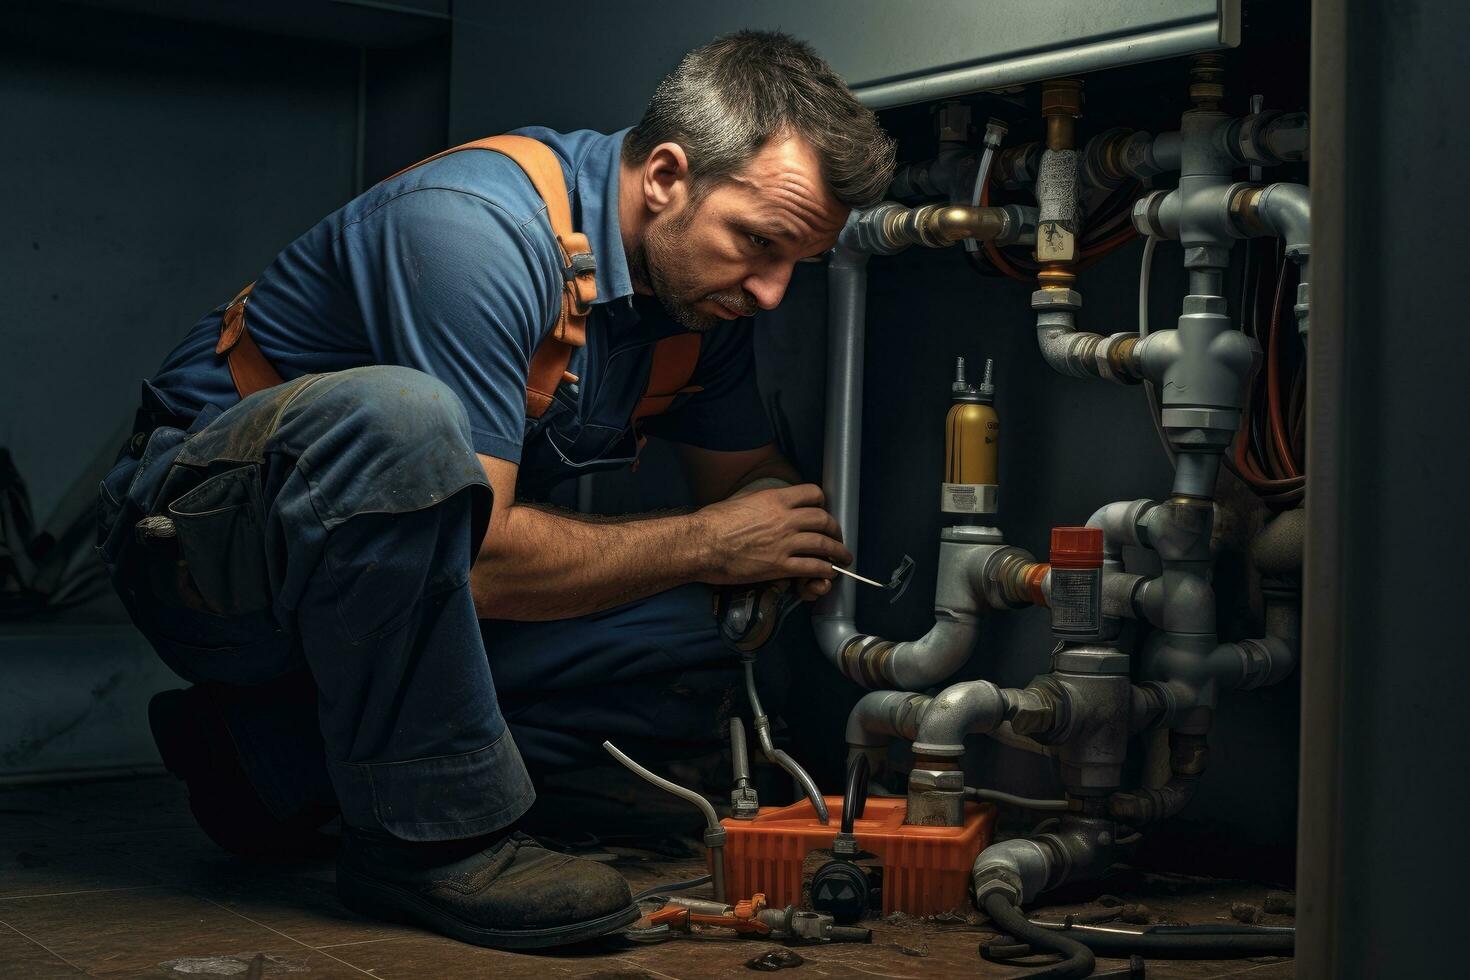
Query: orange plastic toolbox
[{"x": 926, "y": 870}]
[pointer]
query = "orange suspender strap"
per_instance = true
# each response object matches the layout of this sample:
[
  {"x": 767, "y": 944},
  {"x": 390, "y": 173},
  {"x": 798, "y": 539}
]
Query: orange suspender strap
[
  {"x": 252, "y": 372},
  {"x": 249, "y": 369},
  {"x": 674, "y": 360}
]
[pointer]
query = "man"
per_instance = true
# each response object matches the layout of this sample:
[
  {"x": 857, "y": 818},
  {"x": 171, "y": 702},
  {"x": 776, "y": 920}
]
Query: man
[{"x": 375, "y": 620}]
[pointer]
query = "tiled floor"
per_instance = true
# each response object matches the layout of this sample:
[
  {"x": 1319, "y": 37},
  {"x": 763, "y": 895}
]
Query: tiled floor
[{"x": 113, "y": 879}]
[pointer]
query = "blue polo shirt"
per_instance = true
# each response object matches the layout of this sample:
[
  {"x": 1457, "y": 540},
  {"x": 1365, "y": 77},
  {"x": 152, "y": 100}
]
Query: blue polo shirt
[{"x": 452, "y": 268}]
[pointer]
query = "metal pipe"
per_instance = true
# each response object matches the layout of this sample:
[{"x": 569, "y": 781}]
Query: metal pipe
[
  {"x": 1202, "y": 33},
  {"x": 1286, "y": 209},
  {"x": 970, "y": 707},
  {"x": 972, "y": 562},
  {"x": 744, "y": 804},
  {"x": 834, "y": 615},
  {"x": 780, "y": 758},
  {"x": 739, "y": 759},
  {"x": 714, "y": 834},
  {"x": 1189, "y": 755},
  {"x": 881, "y": 715},
  {"x": 1077, "y": 353},
  {"x": 1119, "y": 523}
]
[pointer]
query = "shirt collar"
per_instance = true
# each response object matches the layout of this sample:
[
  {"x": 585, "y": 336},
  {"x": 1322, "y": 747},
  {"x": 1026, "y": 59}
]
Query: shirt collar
[
  {"x": 594, "y": 167},
  {"x": 597, "y": 175},
  {"x": 592, "y": 162}
]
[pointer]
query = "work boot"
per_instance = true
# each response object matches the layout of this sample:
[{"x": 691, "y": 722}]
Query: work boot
[
  {"x": 502, "y": 890},
  {"x": 196, "y": 746}
]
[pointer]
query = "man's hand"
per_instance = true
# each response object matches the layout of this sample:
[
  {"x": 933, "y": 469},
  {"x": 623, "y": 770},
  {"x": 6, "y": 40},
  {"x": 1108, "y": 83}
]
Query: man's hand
[{"x": 773, "y": 534}]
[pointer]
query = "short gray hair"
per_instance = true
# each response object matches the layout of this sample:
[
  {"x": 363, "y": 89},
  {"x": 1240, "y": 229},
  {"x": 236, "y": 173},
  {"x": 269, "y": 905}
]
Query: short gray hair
[{"x": 730, "y": 97}]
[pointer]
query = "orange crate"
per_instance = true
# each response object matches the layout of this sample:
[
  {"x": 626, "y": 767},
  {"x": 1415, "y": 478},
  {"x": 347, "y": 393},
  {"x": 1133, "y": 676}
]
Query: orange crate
[{"x": 926, "y": 870}]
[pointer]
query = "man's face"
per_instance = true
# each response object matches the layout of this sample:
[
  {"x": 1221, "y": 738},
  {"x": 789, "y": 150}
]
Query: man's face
[{"x": 730, "y": 251}]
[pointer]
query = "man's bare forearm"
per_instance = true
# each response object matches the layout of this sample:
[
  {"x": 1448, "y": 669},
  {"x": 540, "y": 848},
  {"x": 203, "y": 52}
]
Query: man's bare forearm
[{"x": 539, "y": 565}]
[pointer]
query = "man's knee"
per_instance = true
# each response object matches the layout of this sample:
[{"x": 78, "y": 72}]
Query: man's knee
[
  {"x": 381, "y": 439},
  {"x": 392, "y": 406}
]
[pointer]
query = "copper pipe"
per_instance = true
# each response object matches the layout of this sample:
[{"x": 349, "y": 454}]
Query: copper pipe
[{"x": 1061, "y": 104}]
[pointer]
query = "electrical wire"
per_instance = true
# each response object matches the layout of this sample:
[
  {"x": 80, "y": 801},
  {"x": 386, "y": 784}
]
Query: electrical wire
[
  {"x": 1267, "y": 450},
  {"x": 992, "y": 252},
  {"x": 1026, "y": 803},
  {"x": 1145, "y": 271}
]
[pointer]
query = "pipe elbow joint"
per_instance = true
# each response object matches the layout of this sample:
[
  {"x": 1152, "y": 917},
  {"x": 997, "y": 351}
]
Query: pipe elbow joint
[
  {"x": 833, "y": 634},
  {"x": 1156, "y": 215},
  {"x": 1286, "y": 209},
  {"x": 1119, "y": 523},
  {"x": 1019, "y": 868},
  {"x": 881, "y": 715},
  {"x": 1258, "y": 663},
  {"x": 934, "y": 657},
  {"x": 970, "y": 707}
]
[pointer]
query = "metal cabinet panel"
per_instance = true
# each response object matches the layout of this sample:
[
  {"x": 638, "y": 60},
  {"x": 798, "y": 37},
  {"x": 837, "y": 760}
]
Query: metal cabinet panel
[{"x": 584, "y": 64}]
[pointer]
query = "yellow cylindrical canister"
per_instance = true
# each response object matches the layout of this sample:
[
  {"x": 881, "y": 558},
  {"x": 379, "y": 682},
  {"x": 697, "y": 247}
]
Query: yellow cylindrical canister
[
  {"x": 971, "y": 447},
  {"x": 971, "y": 443}
]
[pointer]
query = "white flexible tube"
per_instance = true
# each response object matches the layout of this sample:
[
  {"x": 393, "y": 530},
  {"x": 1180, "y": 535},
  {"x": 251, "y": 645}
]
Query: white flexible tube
[
  {"x": 981, "y": 176},
  {"x": 1144, "y": 270}
]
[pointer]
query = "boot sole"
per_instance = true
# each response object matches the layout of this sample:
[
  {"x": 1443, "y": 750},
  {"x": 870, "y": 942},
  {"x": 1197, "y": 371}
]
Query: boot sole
[{"x": 382, "y": 901}]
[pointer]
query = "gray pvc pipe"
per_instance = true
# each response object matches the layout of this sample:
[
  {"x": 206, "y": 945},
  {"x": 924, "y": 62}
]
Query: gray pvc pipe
[
  {"x": 714, "y": 834},
  {"x": 834, "y": 618}
]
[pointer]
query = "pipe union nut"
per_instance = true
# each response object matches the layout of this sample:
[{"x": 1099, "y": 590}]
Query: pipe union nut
[
  {"x": 1147, "y": 217},
  {"x": 947, "y": 780},
  {"x": 1056, "y": 299}
]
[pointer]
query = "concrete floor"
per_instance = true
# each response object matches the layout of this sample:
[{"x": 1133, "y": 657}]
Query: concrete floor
[{"x": 114, "y": 879}]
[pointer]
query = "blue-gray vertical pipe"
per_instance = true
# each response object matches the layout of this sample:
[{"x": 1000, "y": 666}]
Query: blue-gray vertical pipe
[{"x": 847, "y": 282}]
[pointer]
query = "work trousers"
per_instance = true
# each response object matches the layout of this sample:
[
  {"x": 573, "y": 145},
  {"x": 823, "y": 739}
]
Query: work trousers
[{"x": 318, "y": 537}]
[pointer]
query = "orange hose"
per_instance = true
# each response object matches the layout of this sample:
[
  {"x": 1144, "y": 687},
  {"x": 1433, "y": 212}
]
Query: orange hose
[
  {"x": 992, "y": 252},
  {"x": 1275, "y": 416}
]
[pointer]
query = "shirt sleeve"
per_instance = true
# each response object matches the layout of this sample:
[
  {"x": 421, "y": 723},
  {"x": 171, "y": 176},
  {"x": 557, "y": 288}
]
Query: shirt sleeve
[
  {"x": 453, "y": 285},
  {"x": 727, "y": 415}
]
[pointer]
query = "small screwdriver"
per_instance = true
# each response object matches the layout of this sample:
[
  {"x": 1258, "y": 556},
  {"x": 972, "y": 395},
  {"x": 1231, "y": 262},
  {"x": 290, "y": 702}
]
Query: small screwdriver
[{"x": 855, "y": 575}]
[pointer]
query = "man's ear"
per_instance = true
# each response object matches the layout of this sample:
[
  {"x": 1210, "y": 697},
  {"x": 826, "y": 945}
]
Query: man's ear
[{"x": 665, "y": 178}]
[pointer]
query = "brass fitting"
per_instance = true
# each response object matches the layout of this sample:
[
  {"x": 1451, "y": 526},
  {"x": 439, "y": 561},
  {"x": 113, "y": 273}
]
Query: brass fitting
[
  {"x": 1123, "y": 359},
  {"x": 1015, "y": 164},
  {"x": 953, "y": 224},
  {"x": 936, "y": 225},
  {"x": 1061, "y": 104},
  {"x": 1020, "y": 580},
  {"x": 1056, "y": 276},
  {"x": 1106, "y": 156},
  {"x": 1207, "y": 81},
  {"x": 1245, "y": 210}
]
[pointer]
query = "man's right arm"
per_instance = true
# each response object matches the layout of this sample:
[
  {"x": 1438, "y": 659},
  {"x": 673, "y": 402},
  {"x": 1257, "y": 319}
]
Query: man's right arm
[{"x": 537, "y": 565}]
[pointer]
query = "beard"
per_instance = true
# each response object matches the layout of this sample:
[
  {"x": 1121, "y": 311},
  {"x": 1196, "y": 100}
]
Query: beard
[{"x": 662, "y": 264}]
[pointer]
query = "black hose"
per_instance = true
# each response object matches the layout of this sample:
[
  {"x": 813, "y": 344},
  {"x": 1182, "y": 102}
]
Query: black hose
[
  {"x": 676, "y": 886},
  {"x": 996, "y": 796},
  {"x": 855, "y": 798},
  {"x": 1077, "y": 959},
  {"x": 1177, "y": 946}
]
